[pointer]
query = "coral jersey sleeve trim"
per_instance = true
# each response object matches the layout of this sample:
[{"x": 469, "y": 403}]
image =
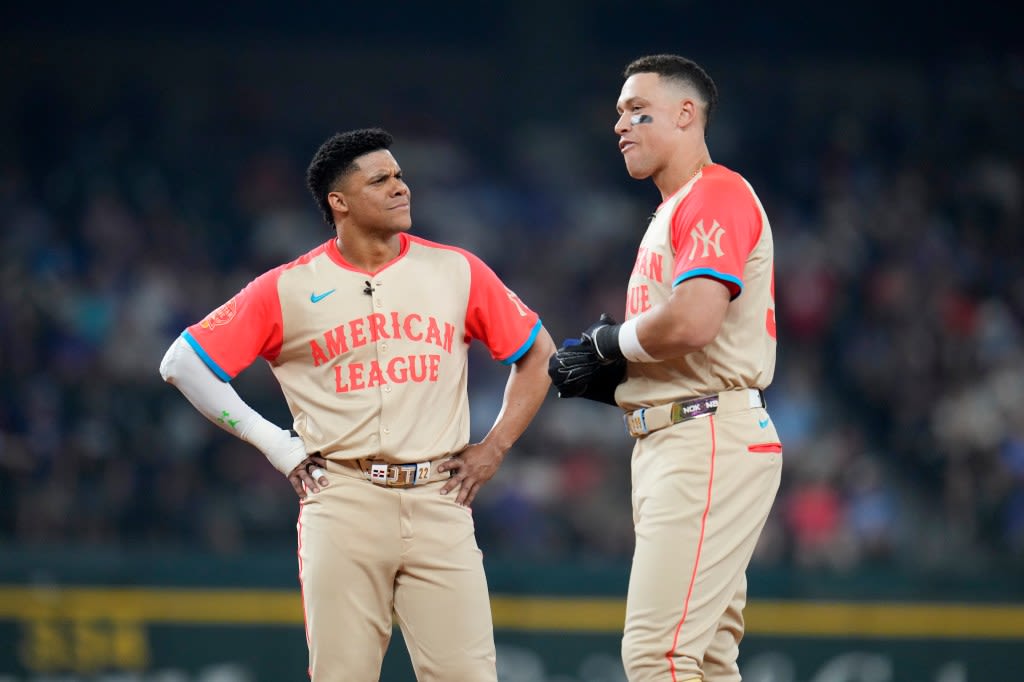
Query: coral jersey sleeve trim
[
  {"x": 214, "y": 367},
  {"x": 714, "y": 229},
  {"x": 248, "y": 326},
  {"x": 733, "y": 283},
  {"x": 495, "y": 315},
  {"x": 525, "y": 347}
]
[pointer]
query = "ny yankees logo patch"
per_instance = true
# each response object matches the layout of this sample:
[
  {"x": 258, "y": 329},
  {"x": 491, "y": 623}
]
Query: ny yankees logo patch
[{"x": 708, "y": 240}]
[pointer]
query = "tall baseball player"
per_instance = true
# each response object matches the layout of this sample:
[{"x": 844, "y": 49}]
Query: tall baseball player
[
  {"x": 695, "y": 352},
  {"x": 368, "y": 336}
]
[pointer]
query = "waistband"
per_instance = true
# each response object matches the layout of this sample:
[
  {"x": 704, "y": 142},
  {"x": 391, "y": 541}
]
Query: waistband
[
  {"x": 641, "y": 422},
  {"x": 389, "y": 475}
]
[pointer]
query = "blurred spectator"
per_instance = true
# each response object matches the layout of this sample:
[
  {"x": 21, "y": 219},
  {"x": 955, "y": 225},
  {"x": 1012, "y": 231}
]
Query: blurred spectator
[{"x": 899, "y": 286}]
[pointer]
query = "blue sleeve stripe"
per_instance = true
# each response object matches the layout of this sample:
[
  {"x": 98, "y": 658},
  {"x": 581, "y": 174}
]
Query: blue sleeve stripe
[
  {"x": 214, "y": 367},
  {"x": 525, "y": 347},
  {"x": 708, "y": 272}
]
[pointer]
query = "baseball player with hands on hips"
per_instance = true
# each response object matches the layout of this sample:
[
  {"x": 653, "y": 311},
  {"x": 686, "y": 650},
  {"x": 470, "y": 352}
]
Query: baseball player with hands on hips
[
  {"x": 368, "y": 336},
  {"x": 688, "y": 365}
]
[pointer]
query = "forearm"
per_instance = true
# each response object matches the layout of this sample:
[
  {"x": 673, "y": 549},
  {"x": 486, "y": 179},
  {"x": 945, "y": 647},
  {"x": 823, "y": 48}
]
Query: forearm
[
  {"x": 662, "y": 334},
  {"x": 525, "y": 391},
  {"x": 689, "y": 320},
  {"x": 220, "y": 403}
]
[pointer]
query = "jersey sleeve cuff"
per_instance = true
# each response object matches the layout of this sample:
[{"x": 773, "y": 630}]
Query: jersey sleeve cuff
[
  {"x": 214, "y": 367},
  {"x": 733, "y": 283},
  {"x": 526, "y": 345}
]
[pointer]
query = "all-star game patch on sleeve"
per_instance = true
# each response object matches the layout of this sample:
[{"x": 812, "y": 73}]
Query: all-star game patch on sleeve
[
  {"x": 714, "y": 230},
  {"x": 497, "y": 316},
  {"x": 247, "y": 326}
]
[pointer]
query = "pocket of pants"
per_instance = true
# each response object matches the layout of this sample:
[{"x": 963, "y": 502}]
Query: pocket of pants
[{"x": 774, "y": 448}]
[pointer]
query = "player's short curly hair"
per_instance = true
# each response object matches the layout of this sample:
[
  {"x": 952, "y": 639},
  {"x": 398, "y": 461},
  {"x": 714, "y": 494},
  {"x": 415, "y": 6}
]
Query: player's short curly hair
[
  {"x": 337, "y": 157},
  {"x": 682, "y": 70}
]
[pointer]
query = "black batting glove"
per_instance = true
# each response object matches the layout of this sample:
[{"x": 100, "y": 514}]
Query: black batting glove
[
  {"x": 603, "y": 335},
  {"x": 577, "y": 371},
  {"x": 573, "y": 367}
]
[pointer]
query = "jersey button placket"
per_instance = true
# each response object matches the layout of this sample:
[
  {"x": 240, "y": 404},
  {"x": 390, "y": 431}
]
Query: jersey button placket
[{"x": 382, "y": 349}]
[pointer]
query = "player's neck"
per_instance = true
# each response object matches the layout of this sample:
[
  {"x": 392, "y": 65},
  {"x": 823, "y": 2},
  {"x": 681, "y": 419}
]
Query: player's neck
[
  {"x": 368, "y": 252},
  {"x": 682, "y": 169}
]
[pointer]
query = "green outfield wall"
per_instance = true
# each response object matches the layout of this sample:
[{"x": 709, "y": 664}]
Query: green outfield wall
[{"x": 72, "y": 616}]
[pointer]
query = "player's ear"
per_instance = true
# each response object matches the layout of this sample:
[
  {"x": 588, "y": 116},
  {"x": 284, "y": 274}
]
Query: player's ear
[
  {"x": 337, "y": 202},
  {"x": 686, "y": 112}
]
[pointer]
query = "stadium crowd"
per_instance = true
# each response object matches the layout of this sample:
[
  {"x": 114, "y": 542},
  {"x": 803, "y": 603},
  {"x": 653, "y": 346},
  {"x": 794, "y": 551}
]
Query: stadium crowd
[{"x": 896, "y": 197}]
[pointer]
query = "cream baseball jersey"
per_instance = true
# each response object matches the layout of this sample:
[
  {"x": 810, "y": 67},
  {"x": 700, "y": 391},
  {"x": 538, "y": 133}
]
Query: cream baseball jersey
[
  {"x": 714, "y": 226},
  {"x": 371, "y": 365}
]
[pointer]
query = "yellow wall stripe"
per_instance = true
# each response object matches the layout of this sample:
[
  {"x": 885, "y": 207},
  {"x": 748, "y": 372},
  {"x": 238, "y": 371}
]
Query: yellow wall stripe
[
  {"x": 584, "y": 615},
  {"x": 154, "y": 605}
]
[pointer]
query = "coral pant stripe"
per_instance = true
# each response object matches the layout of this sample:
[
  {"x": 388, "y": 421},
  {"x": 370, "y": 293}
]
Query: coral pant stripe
[{"x": 670, "y": 655}]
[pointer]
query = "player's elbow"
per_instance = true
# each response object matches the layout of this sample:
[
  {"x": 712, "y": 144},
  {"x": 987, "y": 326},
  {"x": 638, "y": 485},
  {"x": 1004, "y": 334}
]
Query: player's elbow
[{"x": 169, "y": 365}]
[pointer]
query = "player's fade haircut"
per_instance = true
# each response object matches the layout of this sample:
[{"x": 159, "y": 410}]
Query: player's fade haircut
[
  {"x": 683, "y": 71},
  {"x": 336, "y": 158}
]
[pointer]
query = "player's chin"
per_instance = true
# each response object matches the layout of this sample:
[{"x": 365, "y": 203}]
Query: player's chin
[
  {"x": 401, "y": 223},
  {"x": 637, "y": 171}
]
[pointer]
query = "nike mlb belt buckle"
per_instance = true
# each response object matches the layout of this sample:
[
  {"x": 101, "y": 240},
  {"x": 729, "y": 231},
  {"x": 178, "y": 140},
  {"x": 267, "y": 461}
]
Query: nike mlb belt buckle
[
  {"x": 693, "y": 408},
  {"x": 647, "y": 419}
]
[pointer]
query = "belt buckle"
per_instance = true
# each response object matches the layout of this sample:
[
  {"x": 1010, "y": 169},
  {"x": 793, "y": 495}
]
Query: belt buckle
[
  {"x": 636, "y": 423},
  {"x": 399, "y": 475},
  {"x": 422, "y": 472},
  {"x": 686, "y": 410},
  {"x": 379, "y": 473},
  {"x": 405, "y": 474}
]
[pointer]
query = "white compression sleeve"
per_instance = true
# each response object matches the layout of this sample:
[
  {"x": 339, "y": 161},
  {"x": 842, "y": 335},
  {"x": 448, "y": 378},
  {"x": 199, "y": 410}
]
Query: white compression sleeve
[{"x": 219, "y": 402}]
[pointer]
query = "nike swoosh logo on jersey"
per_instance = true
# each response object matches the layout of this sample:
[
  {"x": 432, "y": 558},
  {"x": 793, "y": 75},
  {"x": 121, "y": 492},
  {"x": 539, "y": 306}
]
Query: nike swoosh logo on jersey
[
  {"x": 316, "y": 298},
  {"x": 763, "y": 423}
]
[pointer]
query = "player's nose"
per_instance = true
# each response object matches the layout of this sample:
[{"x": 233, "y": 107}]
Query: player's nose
[{"x": 622, "y": 125}]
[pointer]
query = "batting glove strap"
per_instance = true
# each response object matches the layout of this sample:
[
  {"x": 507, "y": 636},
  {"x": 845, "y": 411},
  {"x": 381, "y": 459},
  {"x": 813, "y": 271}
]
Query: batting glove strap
[
  {"x": 607, "y": 348},
  {"x": 606, "y": 343}
]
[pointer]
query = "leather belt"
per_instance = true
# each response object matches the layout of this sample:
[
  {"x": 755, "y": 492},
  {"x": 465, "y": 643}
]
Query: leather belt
[
  {"x": 393, "y": 475},
  {"x": 641, "y": 422}
]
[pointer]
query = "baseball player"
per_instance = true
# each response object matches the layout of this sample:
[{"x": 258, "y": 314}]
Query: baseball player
[
  {"x": 694, "y": 354},
  {"x": 368, "y": 336}
]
